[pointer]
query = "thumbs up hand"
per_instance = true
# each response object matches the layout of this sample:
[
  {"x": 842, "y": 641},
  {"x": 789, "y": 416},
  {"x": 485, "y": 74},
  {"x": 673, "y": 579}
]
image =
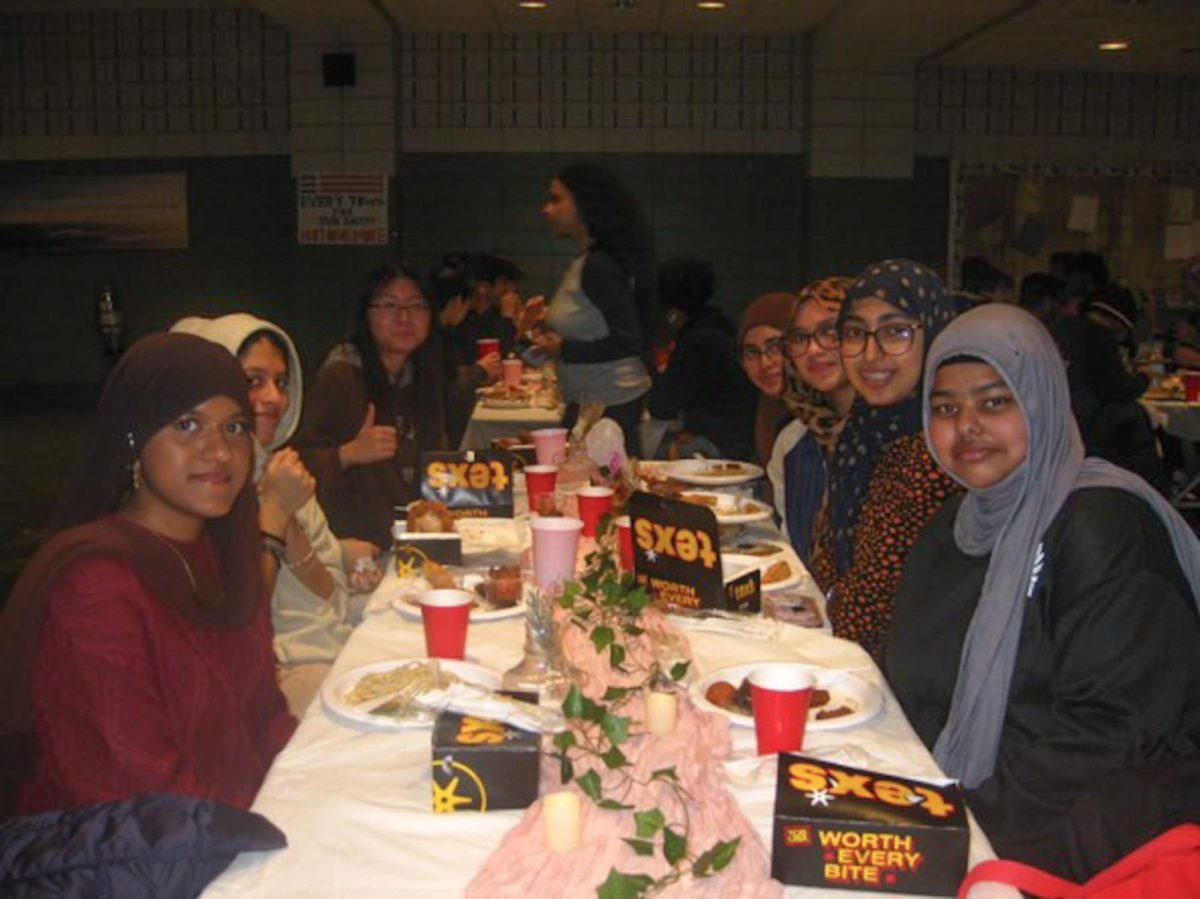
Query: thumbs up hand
[{"x": 373, "y": 443}]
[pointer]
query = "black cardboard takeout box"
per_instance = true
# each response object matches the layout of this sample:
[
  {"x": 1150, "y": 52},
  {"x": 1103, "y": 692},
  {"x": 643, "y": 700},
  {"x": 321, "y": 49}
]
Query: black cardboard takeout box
[
  {"x": 846, "y": 828},
  {"x": 481, "y": 765}
]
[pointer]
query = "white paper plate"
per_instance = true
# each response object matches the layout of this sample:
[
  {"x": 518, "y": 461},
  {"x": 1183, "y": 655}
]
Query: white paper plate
[
  {"x": 335, "y": 688},
  {"x": 844, "y": 689},
  {"x": 404, "y": 601},
  {"x": 762, "y": 564},
  {"x": 731, "y": 509},
  {"x": 707, "y": 473}
]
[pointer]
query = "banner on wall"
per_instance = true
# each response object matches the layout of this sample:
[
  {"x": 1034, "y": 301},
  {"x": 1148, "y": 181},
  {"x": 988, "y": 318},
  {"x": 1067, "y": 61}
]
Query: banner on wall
[
  {"x": 94, "y": 213},
  {"x": 342, "y": 208}
]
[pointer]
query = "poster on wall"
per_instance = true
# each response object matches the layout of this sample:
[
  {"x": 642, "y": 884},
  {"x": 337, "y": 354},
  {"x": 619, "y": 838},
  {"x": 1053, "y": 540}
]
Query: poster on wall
[
  {"x": 94, "y": 213},
  {"x": 342, "y": 208}
]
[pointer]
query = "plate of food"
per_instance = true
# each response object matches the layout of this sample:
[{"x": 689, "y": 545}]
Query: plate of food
[
  {"x": 503, "y": 396},
  {"x": 728, "y": 508},
  {"x": 712, "y": 472},
  {"x": 839, "y": 700},
  {"x": 760, "y": 549},
  {"x": 499, "y": 591},
  {"x": 386, "y": 695},
  {"x": 775, "y": 573}
]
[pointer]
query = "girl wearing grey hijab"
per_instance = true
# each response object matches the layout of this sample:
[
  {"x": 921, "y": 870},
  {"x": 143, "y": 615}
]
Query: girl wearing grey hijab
[{"x": 1045, "y": 632}]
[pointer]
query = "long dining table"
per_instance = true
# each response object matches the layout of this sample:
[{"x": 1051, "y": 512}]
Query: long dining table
[{"x": 355, "y": 801}]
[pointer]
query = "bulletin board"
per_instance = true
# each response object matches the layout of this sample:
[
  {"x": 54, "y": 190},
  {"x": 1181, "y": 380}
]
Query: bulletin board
[{"x": 1144, "y": 220}]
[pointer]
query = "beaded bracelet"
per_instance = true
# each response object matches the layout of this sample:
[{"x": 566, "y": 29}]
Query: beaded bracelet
[{"x": 302, "y": 562}]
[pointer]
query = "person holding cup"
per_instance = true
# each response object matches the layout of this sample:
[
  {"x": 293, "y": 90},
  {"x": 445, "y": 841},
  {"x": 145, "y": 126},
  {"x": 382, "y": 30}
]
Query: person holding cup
[
  {"x": 1045, "y": 629},
  {"x": 378, "y": 403}
]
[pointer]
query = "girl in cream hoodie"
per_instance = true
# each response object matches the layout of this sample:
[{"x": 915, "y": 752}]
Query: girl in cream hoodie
[{"x": 310, "y": 602}]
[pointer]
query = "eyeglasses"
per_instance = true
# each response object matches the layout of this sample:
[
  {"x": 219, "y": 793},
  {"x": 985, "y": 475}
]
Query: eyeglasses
[
  {"x": 772, "y": 349},
  {"x": 797, "y": 341},
  {"x": 397, "y": 310},
  {"x": 892, "y": 340}
]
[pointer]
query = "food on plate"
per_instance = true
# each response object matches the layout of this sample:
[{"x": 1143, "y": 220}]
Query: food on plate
[
  {"x": 438, "y": 576},
  {"x": 777, "y": 572},
  {"x": 720, "y": 470},
  {"x": 502, "y": 588},
  {"x": 409, "y": 680},
  {"x": 739, "y": 699},
  {"x": 701, "y": 499},
  {"x": 802, "y": 610},
  {"x": 545, "y": 506},
  {"x": 428, "y": 517}
]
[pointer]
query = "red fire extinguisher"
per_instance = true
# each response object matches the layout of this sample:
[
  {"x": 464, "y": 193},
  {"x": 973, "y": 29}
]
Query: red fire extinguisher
[{"x": 109, "y": 322}]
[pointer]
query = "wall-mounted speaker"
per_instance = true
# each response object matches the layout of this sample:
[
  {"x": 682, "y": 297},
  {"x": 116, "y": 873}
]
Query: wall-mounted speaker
[{"x": 339, "y": 69}]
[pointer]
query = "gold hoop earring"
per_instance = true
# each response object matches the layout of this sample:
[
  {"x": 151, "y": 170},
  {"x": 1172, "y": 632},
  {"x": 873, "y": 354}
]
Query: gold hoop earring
[{"x": 137, "y": 475}]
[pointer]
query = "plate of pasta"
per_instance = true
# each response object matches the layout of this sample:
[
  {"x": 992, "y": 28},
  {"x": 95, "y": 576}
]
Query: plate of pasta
[{"x": 386, "y": 695}]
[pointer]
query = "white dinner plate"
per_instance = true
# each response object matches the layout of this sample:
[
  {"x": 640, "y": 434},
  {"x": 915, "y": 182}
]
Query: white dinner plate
[
  {"x": 711, "y": 472},
  {"x": 844, "y": 689},
  {"x": 405, "y": 601},
  {"x": 762, "y": 564},
  {"x": 334, "y": 689},
  {"x": 731, "y": 509}
]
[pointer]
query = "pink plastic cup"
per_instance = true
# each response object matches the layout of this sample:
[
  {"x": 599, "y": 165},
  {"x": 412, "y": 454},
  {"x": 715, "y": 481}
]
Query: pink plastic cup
[
  {"x": 445, "y": 614},
  {"x": 512, "y": 372},
  {"x": 594, "y": 504},
  {"x": 539, "y": 479},
  {"x": 625, "y": 541},
  {"x": 780, "y": 694},
  {"x": 550, "y": 445},
  {"x": 485, "y": 346},
  {"x": 555, "y": 541},
  {"x": 1191, "y": 386}
]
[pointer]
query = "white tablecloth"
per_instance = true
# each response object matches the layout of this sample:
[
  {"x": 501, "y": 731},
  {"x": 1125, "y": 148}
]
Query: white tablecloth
[
  {"x": 488, "y": 424},
  {"x": 355, "y": 802},
  {"x": 1176, "y": 417}
]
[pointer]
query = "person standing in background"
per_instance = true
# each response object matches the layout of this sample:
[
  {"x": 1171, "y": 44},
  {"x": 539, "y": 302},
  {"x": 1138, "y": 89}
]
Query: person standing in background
[{"x": 600, "y": 320}]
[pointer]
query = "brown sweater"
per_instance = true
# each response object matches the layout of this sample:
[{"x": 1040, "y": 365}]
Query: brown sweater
[
  {"x": 906, "y": 490},
  {"x": 360, "y": 501}
]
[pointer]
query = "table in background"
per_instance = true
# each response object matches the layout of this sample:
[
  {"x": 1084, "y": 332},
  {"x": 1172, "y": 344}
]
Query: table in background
[
  {"x": 1182, "y": 420},
  {"x": 488, "y": 424},
  {"x": 355, "y": 802}
]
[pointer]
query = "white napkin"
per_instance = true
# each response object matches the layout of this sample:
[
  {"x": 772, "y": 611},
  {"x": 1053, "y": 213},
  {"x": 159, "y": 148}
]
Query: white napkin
[
  {"x": 468, "y": 699},
  {"x": 734, "y": 625}
]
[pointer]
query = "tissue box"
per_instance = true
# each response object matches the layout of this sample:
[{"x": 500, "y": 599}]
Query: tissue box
[
  {"x": 481, "y": 765},
  {"x": 845, "y": 828}
]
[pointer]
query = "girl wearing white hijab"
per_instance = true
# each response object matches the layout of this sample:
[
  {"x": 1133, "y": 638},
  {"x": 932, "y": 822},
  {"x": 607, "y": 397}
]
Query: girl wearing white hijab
[
  {"x": 1045, "y": 641},
  {"x": 310, "y": 601}
]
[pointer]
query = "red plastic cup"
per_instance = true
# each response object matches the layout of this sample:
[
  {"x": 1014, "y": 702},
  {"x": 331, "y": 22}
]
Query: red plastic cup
[
  {"x": 1191, "y": 386},
  {"x": 539, "y": 479},
  {"x": 512, "y": 369},
  {"x": 594, "y": 504},
  {"x": 445, "y": 614},
  {"x": 780, "y": 692},
  {"x": 485, "y": 346},
  {"x": 550, "y": 444},
  {"x": 625, "y": 541},
  {"x": 555, "y": 542}
]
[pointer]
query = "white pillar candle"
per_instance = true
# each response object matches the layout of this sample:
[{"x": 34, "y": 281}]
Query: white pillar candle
[
  {"x": 563, "y": 820},
  {"x": 662, "y": 712}
]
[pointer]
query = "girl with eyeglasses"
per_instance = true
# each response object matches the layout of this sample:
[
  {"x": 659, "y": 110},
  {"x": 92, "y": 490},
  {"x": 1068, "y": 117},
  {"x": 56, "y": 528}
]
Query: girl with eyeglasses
[
  {"x": 760, "y": 348},
  {"x": 883, "y": 484},
  {"x": 378, "y": 403},
  {"x": 820, "y": 403}
]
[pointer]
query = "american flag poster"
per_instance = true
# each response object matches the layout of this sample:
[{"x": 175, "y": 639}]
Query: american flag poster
[{"x": 342, "y": 208}]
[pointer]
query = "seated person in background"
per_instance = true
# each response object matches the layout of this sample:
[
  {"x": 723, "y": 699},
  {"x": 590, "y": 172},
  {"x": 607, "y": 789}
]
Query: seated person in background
[
  {"x": 1045, "y": 633},
  {"x": 1039, "y": 295},
  {"x": 982, "y": 282},
  {"x": 883, "y": 485},
  {"x": 703, "y": 385},
  {"x": 820, "y": 403},
  {"x": 377, "y": 405},
  {"x": 1084, "y": 274},
  {"x": 135, "y": 648},
  {"x": 760, "y": 348},
  {"x": 1099, "y": 350},
  {"x": 483, "y": 319},
  {"x": 310, "y": 604}
]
